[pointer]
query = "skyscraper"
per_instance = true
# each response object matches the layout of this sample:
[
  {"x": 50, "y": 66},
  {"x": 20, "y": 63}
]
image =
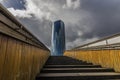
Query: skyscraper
[{"x": 58, "y": 38}]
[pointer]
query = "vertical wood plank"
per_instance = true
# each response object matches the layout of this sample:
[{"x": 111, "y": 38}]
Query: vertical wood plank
[
  {"x": 18, "y": 60},
  {"x": 9, "y": 59},
  {"x": 3, "y": 50}
]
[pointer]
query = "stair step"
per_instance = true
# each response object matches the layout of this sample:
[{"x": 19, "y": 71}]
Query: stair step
[
  {"x": 66, "y": 68},
  {"x": 63, "y": 60},
  {"x": 76, "y": 76},
  {"x": 70, "y": 63},
  {"x": 73, "y": 70},
  {"x": 71, "y": 66}
]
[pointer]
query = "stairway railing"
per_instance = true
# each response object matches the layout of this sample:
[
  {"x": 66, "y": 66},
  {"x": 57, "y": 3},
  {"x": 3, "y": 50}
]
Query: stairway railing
[
  {"x": 104, "y": 52},
  {"x": 22, "y": 55}
]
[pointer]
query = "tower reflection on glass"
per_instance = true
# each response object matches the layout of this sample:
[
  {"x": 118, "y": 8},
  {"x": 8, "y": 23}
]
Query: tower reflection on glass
[{"x": 58, "y": 38}]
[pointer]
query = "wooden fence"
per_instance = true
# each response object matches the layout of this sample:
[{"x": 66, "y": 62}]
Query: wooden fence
[
  {"x": 105, "y": 58},
  {"x": 104, "y": 52},
  {"x": 22, "y": 55}
]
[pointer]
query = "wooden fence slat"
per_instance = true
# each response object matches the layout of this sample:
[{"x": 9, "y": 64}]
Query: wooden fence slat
[
  {"x": 8, "y": 64},
  {"x": 3, "y": 50}
]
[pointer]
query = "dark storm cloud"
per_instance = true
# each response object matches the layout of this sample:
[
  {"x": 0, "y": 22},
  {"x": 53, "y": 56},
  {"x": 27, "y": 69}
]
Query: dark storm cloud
[
  {"x": 106, "y": 14},
  {"x": 71, "y": 37},
  {"x": 104, "y": 20},
  {"x": 41, "y": 29},
  {"x": 87, "y": 21}
]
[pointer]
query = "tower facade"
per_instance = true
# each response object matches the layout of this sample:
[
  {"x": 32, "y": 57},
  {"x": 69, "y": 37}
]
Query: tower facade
[{"x": 58, "y": 38}]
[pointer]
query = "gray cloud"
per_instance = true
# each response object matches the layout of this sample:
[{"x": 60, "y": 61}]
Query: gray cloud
[
  {"x": 105, "y": 14},
  {"x": 89, "y": 21},
  {"x": 41, "y": 29},
  {"x": 103, "y": 20}
]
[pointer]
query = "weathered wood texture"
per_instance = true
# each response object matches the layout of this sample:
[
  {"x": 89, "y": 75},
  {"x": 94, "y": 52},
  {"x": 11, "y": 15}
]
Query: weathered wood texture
[
  {"x": 22, "y": 55},
  {"x": 105, "y": 58},
  {"x": 20, "y": 61}
]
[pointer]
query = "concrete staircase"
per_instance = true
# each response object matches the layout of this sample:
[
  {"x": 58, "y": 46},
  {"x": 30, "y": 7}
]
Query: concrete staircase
[{"x": 66, "y": 68}]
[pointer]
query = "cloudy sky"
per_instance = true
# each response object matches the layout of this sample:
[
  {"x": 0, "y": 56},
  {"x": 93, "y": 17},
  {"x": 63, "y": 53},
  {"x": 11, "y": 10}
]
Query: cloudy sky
[{"x": 85, "y": 20}]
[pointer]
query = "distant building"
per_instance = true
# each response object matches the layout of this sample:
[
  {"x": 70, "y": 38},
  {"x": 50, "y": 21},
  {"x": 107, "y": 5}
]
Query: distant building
[{"x": 58, "y": 38}]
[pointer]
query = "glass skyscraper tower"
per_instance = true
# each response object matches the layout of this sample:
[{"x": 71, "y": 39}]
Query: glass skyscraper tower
[{"x": 58, "y": 38}]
